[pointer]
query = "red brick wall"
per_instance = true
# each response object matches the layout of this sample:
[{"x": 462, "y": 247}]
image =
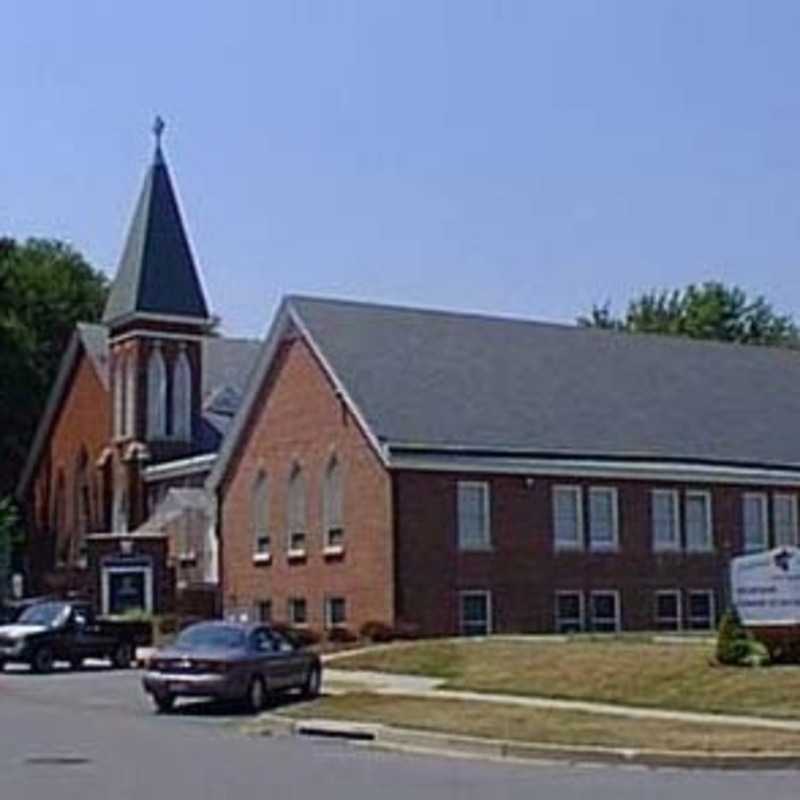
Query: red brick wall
[
  {"x": 84, "y": 421},
  {"x": 298, "y": 419},
  {"x": 522, "y": 570}
]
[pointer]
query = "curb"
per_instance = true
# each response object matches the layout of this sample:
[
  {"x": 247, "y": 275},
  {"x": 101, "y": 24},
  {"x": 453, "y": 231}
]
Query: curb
[{"x": 442, "y": 744}]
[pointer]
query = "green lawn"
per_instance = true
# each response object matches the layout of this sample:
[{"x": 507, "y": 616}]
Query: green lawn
[
  {"x": 632, "y": 672},
  {"x": 496, "y": 721}
]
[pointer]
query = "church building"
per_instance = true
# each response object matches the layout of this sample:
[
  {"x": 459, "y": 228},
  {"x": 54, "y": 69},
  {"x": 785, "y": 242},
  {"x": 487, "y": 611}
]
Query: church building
[{"x": 437, "y": 471}]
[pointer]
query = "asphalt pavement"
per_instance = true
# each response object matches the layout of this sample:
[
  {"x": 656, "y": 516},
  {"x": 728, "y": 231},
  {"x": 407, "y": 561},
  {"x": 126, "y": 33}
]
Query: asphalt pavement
[{"x": 91, "y": 735}]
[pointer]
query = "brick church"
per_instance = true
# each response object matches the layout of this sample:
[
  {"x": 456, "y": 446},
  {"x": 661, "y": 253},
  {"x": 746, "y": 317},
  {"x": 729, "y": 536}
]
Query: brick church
[{"x": 456, "y": 473}]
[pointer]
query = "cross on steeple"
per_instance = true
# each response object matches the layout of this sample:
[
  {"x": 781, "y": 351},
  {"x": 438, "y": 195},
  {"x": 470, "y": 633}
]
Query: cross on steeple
[{"x": 158, "y": 129}]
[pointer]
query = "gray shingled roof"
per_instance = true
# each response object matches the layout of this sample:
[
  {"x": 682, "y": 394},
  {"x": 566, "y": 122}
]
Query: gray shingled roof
[
  {"x": 156, "y": 273},
  {"x": 443, "y": 379}
]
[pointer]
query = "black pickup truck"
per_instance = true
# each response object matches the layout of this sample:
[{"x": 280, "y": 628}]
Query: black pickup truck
[{"x": 66, "y": 631}]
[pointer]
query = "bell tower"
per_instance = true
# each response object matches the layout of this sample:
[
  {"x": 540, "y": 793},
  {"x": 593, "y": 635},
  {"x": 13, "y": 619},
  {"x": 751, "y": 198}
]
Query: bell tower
[{"x": 157, "y": 317}]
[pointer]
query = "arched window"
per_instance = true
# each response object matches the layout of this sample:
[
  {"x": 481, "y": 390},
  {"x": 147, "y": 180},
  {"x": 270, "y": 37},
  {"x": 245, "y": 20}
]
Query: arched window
[
  {"x": 119, "y": 396},
  {"x": 58, "y": 520},
  {"x": 81, "y": 505},
  {"x": 156, "y": 395},
  {"x": 182, "y": 398},
  {"x": 259, "y": 514},
  {"x": 297, "y": 512},
  {"x": 130, "y": 397},
  {"x": 332, "y": 505}
]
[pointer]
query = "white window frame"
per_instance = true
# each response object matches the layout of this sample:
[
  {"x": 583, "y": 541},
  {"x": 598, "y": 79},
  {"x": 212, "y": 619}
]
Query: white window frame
[
  {"x": 764, "y": 543},
  {"x": 486, "y": 593},
  {"x": 613, "y": 545},
  {"x": 617, "y": 609},
  {"x": 675, "y": 498},
  {"x": 577, "y": 493},
  {"x": 712, "y": 607},
  {"x": 708, "y": 547},
  {"x": 328, "y": 615},
  {"x": 679, "y": 610},
  {"x": 581, "y": 620},
  {"x": 792, "y": 498},
  {"x": 483, "y": 487}
]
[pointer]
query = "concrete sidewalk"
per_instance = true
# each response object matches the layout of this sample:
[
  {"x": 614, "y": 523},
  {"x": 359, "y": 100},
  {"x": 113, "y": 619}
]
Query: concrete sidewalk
[{"x": 338, "y": 681}]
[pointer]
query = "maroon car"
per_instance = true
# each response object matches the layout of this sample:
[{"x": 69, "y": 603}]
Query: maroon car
[{"x": 230, "y": 661}]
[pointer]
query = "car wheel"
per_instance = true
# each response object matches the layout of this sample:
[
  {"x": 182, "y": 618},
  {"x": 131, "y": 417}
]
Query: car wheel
[
  {"x": 256, "y": 695},
  {"x": 122, "y": 656},
  {"x": 164, "y": 702},
  {"x": 42, "y": 660},
  {"x": 2, "y": 665},
  {"x": 76, "y": 663},
  {"x": 313, "y": 683}
]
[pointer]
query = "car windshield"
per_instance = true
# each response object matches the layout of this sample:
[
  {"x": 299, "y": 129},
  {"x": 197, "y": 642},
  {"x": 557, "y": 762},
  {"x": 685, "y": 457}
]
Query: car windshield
[
  {"x": 224, "y": 637},
  {"x": 49, "y": 614}
]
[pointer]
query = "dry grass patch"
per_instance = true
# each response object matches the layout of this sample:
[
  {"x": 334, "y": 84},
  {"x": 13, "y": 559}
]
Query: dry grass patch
[
  {"x": 496, "y": 721},
  {"x": 615, "y": 671}
]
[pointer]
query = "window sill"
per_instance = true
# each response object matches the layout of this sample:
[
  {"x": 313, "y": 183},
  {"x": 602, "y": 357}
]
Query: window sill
[
  {"x": 262, "y": 558},
  {"x": 187, "y": 559},
  {"x": 296, "y": 555},
  {"x": 672, "y": 548},
  {"x": 333, "y": 551},
  {"x": 606, "y": 548},
  {"x": 568, "y": 548},
  {"x": 699, "y": 550},
  {"x": 485, "y": 548}
]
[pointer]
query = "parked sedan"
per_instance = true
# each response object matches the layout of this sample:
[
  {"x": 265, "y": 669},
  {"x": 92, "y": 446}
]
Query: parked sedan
[{"x": 230, "y": 661}]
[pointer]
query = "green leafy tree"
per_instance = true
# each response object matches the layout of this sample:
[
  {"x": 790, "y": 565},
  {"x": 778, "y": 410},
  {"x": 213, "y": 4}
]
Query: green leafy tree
[
  {"x": 46, "y": 287},
  {"x": 707, "y": 311}
]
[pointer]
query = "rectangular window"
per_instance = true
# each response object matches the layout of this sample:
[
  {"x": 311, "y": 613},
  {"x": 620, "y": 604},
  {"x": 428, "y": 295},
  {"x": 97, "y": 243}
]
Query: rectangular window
[
  {"x": 754, "y": 512},
  {"x": 335, "y": 611},
  {"x": 476, "y": 613},
  {"x": 701, "y": 612},
  {"x": 784, "y": 512},
  {"x": 668, "y": 610},
  {"x": 605, "y": 611},
  {"x": 297, "y": 542},
  {"x": 569, "y": 612},
  {"x": 567, "y": 518},
  {"x": 265, "y": 611},
  {"x": 473, "y": 516},
  {"x": 262, "y": 544},
  {"x": 603, "y": 518},
  {"x": 297, "y": 611},
  {"x": 699, "y": 537},
  {"x": 665, "y": 512}
]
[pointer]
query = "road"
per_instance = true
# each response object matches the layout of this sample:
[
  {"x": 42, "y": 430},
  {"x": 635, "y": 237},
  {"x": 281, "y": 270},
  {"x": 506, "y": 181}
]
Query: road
[{"x": 91, "y": 736}]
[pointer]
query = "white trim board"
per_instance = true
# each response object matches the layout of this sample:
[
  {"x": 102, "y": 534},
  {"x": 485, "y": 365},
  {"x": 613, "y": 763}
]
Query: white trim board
[{"x": 598, "y": 469}]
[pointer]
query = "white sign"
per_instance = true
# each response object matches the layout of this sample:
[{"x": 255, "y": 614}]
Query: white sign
[{"x": 766, "y": 587}]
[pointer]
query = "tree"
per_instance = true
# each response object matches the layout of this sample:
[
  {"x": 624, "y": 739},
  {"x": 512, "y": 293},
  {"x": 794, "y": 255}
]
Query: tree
[
  {"x": 46, "y": 287},
  {"x": 708, "y": 311}
]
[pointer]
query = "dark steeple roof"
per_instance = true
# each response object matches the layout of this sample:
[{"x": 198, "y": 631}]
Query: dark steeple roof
[{"x": 156, "y": 274}]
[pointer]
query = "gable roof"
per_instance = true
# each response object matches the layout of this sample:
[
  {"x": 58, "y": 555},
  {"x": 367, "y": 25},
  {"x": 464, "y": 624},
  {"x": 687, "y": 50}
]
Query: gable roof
[
  {"x": 157, "y": 272},
  {"x": 453, "y": 382},
  {"x": 86, "y": 338}
]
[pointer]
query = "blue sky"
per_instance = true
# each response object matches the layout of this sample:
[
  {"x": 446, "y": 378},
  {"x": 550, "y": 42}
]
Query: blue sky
[{"x": 522, "y": 158}]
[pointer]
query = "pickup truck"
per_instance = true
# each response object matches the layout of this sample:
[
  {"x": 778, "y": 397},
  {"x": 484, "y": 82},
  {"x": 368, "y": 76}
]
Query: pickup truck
[{"x": 66, "y": 631}]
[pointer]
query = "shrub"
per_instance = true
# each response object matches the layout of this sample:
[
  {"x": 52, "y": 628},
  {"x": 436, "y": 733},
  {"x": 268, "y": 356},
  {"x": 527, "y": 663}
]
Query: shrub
[
  {"x": 341, "y": 635},
  {"x": 376, "y": 631},
  {"x": 735, "y": 647}
]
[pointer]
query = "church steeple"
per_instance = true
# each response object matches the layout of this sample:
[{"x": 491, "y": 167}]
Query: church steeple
[{"x": 157, "y": 273}]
